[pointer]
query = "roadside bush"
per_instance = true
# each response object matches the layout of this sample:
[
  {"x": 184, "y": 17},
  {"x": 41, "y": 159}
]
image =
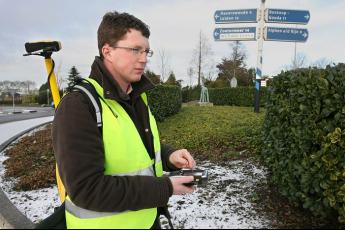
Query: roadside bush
[
  {"x": 10, "y": 102},
  {"x": 30, "y": 99},
  {"x": 191, "y": 94},
  {"x": 165, "y": 101},
  {"x": 304, "y": 138},
  {"x": 240, "y": 96}
]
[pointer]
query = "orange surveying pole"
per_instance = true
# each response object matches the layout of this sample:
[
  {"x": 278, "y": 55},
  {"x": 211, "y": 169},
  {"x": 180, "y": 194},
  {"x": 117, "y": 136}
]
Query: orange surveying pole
[{"x": 46, "y": 49}]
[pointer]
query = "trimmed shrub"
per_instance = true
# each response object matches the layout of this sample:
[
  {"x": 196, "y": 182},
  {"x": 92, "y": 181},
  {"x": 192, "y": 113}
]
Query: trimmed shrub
[
  {"x": 240, "y": 96},
  {"x": 165, "y": 101},
  {"x": 304, "y": 138},
  {"x": 191, "y": 94},
  {"x": 30, "y": 99}
]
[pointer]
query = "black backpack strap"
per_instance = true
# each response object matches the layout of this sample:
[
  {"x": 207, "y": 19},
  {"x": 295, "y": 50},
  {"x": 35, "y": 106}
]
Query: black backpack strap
[
  {"x": 57, "y": 220},
  {"x": 91, "y": 93}
]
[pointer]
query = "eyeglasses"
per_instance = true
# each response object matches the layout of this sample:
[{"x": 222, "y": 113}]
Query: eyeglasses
[{"x": 136, "y": 51}]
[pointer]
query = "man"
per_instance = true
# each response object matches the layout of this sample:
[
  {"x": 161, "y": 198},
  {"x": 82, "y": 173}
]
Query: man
[{"x": 113, "y": 175}]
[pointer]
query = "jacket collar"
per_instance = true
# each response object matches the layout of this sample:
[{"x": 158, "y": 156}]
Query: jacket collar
[{"x": 112, "y": 90}]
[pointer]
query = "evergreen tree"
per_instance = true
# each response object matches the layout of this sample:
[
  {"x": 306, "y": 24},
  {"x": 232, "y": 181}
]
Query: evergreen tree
[
  {"x": 172, "y": 80},
  {"x": 73, "y": 77},
  {"x": 220, "y": 82},
  {"x": 43, "y": 94}
]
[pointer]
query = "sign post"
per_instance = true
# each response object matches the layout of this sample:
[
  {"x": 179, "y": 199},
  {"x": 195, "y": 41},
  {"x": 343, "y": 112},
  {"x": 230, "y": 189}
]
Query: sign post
[
  {"x": 261, "y": 33},
  {"x": 235, "y": 34},
  {"x": 287, "y": 16},
  {"x": 285, "y": 34},
  {"x": 235, "y": 16},
  {"x": 258, "y": 71}
]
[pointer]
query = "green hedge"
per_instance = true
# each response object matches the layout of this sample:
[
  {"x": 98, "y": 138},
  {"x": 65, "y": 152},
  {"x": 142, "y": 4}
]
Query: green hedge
[
  {"x": 191, "y": 94},
  {"x": 304, "y": 138},
  {"x": 240, "y": 96},
  {"x": 10, "y": 102},
  {"x": 165, "y": 101}
]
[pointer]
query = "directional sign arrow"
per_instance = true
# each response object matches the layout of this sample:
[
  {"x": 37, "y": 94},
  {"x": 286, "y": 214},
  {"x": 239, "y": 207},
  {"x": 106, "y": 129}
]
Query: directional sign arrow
[
  {"x": 286, "y": 34},
  {"x": 235, "y": 16},
  {"x": 287, "y": 16},
  {"x": 235, "y": 34}
]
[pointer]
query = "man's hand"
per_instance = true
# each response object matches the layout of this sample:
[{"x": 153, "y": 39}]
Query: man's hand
[
  {"x": 182, "y": 159},
  {"x": 178, "y": 185}
]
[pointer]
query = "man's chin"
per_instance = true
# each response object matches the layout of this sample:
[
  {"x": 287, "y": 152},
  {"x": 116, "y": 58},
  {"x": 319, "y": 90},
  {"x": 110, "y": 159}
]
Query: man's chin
[{"x": 136, "y": 78}]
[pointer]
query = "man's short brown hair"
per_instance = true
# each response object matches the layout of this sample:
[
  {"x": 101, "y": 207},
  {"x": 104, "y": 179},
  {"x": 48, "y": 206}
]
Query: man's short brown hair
[{"x": 115, "y": 26}]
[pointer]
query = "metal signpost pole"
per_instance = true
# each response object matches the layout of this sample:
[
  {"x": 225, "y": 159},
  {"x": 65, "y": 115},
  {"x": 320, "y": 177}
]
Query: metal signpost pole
[
  {"x": 259, "y": 58},
  {"x": 295, "y": 54},
  {"x": 261, "y": 32}
]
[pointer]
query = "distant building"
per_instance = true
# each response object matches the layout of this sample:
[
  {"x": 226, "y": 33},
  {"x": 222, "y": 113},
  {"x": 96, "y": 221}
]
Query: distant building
[{"x": 7, "y": 98}]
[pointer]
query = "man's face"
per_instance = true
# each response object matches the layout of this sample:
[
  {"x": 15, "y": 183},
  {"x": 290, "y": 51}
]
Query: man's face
[{"x": 125, "y": 64}]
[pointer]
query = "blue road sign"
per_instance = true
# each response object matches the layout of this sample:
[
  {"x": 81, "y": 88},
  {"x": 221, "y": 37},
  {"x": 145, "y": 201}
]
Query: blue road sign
[
  {"x": 235, "y": 34},
  {"x": 235, "y": 16},
  {"x": 285, "y": 34},
  {"x": 287, "y": 16}
]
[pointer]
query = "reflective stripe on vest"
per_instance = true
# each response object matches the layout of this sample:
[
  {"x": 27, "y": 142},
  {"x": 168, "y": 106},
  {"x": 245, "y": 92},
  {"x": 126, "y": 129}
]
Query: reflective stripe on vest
[{"x": 125, "y": 155}]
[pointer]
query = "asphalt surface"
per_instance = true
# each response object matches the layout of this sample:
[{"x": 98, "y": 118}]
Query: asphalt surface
[{"x": 8, "y": 114}]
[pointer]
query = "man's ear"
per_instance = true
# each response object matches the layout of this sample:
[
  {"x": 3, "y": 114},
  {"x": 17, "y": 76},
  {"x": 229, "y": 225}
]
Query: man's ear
[{"x": 106, "y": 52}]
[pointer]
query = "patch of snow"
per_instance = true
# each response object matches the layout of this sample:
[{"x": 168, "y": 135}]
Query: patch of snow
[{"x": 225, "y": 202}]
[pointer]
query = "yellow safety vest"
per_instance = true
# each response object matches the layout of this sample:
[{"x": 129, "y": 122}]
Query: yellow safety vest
[{"x": 125, "y": 155}]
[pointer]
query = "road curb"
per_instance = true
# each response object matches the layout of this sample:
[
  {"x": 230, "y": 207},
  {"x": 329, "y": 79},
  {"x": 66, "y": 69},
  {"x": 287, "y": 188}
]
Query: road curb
[{"x": 10, "y": 216}]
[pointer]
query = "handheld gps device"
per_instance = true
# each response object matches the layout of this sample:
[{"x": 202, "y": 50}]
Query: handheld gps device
[{"x": 200, "y": 176}]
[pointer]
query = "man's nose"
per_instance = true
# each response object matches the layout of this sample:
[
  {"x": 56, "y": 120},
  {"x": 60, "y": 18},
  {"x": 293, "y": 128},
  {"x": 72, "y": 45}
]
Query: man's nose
[{"x": 143, "y": 57}]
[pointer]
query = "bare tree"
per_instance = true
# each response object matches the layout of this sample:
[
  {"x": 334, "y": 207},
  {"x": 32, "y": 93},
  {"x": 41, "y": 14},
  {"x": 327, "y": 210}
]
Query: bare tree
[
  {"x": 164, "y": 65},
  {"x": 238, "y": 57},
  {"x": 299, "y": 62},
  {"x": 190, "y": 73},
  {"x": 201, "y": 56},
  {"x": 30, "y": 85},
  {"x": 59, "y": 79},
  {"x": 4, "y": 86},
  {"x": 322, "y": 63},
  {"x": 22, "y": 86}
]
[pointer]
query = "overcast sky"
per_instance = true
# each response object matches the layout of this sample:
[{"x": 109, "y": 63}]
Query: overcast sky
[{"x": 174, "y": 25}]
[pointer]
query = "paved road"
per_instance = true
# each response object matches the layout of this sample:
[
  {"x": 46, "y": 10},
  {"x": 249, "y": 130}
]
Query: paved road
[
  {"x": 11, "y": 129},
  {"x": 23, "y": 113}
]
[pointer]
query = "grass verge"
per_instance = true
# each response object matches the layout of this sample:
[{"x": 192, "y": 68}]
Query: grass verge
[{"x": 218, "y": 133}]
